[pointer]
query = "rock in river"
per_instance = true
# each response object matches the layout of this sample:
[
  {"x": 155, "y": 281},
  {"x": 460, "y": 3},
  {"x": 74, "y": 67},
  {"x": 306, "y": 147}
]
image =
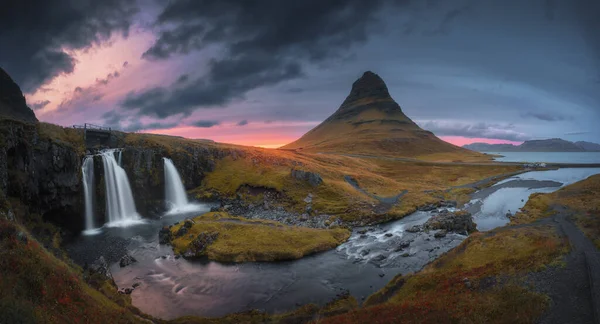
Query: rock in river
[
  {"x": 164, "y": 235},
  {"x": 126, "y": 260},
  {"x": 459, "y": 222}
]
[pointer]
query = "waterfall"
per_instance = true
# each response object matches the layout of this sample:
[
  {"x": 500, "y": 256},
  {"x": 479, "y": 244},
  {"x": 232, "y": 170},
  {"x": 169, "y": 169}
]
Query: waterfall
[
  {"x": 175, "y": 196},
  {"x": 120, "y": 206},
  {"x": 87, "y": 171},
  {"x": 119, "y": 158}
]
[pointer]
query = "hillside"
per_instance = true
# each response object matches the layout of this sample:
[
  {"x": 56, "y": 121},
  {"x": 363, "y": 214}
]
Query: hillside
[
  {"x": 588, "y": 146},
  {"x": 370, "y": 122},
  {"x": 548, "y": 145}
]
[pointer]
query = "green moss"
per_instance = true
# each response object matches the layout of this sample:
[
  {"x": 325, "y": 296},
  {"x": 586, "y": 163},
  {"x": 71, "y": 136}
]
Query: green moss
[
  {"x": 242, "y": 240},
  {"x": 62, "y": 135}
]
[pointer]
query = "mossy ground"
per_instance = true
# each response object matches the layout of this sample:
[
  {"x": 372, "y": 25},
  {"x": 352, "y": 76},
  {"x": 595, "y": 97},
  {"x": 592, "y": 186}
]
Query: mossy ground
[
  {"x": 380, "y": 177},
  {"x": 242, "y": 240},
  {"x": 581, "y": 198},
  {"x": 62, "y": 135},
  {"x": 491, "y": 263},
  {"x": 36, "y": 287}
]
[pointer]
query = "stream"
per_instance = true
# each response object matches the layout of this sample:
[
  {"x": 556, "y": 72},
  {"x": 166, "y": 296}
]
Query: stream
[{"x": 172, "y": 287}]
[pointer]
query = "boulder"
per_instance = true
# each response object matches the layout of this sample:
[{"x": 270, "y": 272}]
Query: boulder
[
  {"x": 440, "y": 234},
  {"x": 458, "y": 222},
  {"x": 189, "y": 223},
  {"x": 182, "y": 231},
  {"x": 101, "y": 267},
  {"x": 198, "y": 246},
  {"x": 414, "y": 229},
  {"x": 313, "y": 178},
  {"x": 126, "y": 260},
  {"x": 164, "y": 235}
]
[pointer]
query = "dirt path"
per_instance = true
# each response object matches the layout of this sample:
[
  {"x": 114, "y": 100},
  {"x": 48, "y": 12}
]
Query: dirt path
[{"x": 569, "y": 287}]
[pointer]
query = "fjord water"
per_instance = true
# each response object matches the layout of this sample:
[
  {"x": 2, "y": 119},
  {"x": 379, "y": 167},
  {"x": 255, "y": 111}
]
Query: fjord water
[
  {"x": 549, "y": 157},
  {"x": 87, "y": 171},
  {"x": 491, "y": 206},
  {"x": 120, "y": 206}
]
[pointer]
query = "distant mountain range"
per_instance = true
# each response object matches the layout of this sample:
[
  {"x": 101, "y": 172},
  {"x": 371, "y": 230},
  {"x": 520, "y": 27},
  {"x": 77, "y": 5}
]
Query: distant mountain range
[{"x": 549, "y": 145}]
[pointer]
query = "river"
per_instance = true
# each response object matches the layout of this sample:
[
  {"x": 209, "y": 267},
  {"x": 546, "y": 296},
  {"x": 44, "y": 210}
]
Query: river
[{"x": 171, "y": 287}]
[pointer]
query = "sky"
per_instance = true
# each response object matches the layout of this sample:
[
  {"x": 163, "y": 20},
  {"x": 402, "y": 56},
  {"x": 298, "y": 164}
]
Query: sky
[{"x": 263, "y": 73}]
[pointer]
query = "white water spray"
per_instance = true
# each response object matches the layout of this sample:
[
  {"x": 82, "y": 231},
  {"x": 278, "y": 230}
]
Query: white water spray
[
  {"x": 175, "y": 196},
  {"x": 120, "y": 206},
  {"x": 87, "y": 171}
]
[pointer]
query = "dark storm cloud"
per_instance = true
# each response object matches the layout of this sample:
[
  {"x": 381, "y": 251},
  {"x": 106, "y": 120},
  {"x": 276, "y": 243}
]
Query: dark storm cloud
[
  {"x": 138, "y": 126},
  {"x": 243, "y": 123},
  {"x": 263, "y": 42},
  {"x": 40, "y": 104},
  {"x": 545, "y": 116},
  {"x": 233, "y": 81},
  {"x": 205, "y": 123},
  {"x": 34, "y": 34},
  {"x": 589, "y": 17},
  {"x": 126, "y": 123},
  {"x": 474, "y": 130}
]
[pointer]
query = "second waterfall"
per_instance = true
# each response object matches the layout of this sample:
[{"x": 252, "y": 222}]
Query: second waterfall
[{"x": 175, "y": 196}]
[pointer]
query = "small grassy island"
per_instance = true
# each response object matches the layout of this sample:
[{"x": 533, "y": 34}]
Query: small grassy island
[{"x": 222, "y": 237}]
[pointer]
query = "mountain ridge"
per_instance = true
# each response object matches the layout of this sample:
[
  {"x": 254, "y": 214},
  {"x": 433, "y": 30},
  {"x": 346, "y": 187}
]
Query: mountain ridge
[{"x": 547, "y": 145}]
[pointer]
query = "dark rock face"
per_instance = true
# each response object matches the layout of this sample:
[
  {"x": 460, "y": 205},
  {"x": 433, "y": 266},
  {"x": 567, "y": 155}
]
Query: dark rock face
[
  {"x": 145, "y": 168},
  {"x": 313, "y": 178},
  {"x": 198, "y": 246},
  {"x": 44, "y": 175},
  {"x": 126, "y": 260},
  {"x": 459, "y": 222},
  {"x": 369, "y": 85},
  {"x": 12, "y": 101}
]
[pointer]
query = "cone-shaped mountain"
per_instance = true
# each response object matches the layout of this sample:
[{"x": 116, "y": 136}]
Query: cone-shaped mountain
[{"x": 370, "y": 122}]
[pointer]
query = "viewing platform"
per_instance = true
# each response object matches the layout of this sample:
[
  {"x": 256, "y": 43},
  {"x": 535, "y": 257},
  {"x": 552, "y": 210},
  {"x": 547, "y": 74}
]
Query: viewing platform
[{"x": 95, "y": 135}]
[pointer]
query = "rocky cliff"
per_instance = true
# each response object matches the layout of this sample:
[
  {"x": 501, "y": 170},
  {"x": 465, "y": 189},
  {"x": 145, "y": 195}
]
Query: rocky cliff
[
  {"x": 12, "y": 101},
  {"x": 41, "y": 173}
]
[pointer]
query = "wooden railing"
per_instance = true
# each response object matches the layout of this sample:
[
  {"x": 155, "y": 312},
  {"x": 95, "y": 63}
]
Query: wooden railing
[{"x": 87, "y": 126}]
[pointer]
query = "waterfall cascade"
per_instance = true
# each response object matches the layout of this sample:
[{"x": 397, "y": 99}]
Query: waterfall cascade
[
  {"x": 120, "y": 154},
  {"x": 120, "y": 207},
  {"x": 175, "y": 195},
  {"x": 87, "y": 171}
]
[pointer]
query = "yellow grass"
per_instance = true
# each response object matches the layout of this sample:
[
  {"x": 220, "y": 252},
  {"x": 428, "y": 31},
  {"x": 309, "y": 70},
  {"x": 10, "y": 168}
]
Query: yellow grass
[
  {"x": 491, "y": 263},
  {"x": 582, "y": 200},
  {"x": 242, "y": 240}
]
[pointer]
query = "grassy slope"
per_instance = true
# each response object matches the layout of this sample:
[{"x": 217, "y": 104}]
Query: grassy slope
[
  {"x": 491, "y": 263},
  {"x": 425, "y": 183},
  {"x": 36, "y": 287},
  {"x": 242, "y": 240},
  {"x": 377, "y": 133},
  {"x": 581, "y": 198}
]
